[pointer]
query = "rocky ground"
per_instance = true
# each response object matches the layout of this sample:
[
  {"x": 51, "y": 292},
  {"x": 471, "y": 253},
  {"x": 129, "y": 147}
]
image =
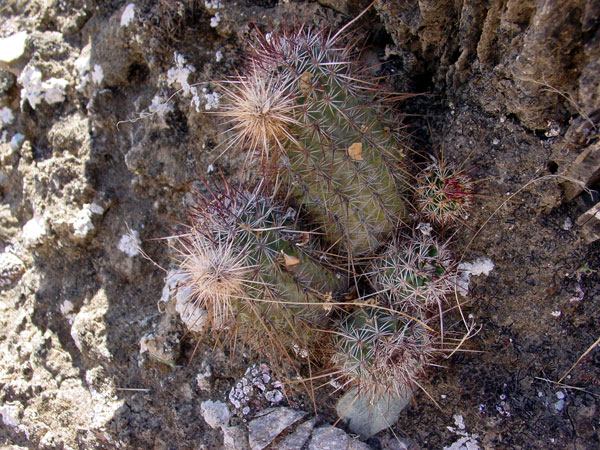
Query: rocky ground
[{"x": 105, "y": 123}]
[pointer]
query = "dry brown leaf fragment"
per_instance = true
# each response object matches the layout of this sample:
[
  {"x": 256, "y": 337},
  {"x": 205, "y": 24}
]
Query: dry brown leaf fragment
[
  {"x": 289, "y": 260},
  {"x": 304, "y": 238},
  {"x": 355, "y": 151},
  {"x": 305, "y": 83},
  {"x": 327, "y": 302},
  {"x": 372, "y": 301}
]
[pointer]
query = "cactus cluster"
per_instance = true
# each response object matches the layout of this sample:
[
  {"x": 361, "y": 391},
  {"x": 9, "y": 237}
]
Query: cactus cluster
[
  {"x": 326, "y": 143},
  {"x": 305, "y": 112},
  {"x": 385, "y": 348}
]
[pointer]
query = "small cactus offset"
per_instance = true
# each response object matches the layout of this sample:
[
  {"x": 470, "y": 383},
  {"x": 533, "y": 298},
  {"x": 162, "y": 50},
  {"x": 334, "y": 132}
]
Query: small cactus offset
[
  {"x": 380, "y": 352},
  {"x": 443, "y": 193},
  {"x": 255, "y": 274},
  {"x": 414, "y": 273},
  {"x": 304, "y": 109}
]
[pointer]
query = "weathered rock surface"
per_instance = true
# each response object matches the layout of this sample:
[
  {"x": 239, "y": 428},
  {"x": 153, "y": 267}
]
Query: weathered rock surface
[
  {"x": 367, "y": 415},
  {"x": 97, "y": 151},
  {"x": 299, "y": 437},
  {"x": 215, "y": 414},
  {"x": 590, "y": 224},
  {"x": 270, "y": 424},
  {"x": 521, "y": 57},
  {"x": 330, "y": 438},
  {"x": 235, "y": 438},
  {"x": 583, "y": 172}
]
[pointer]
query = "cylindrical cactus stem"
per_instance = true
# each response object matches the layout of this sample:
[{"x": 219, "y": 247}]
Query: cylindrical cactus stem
[
  {"x": 255, "y": 273},
  {"x": 379, "y": 352},
  {"x": 304, "y": 108},
  {"x": 414, "y": 273}
]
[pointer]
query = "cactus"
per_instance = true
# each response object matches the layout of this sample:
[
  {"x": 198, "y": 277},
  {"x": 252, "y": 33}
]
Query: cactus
[
  {"x": 381, "y": 352},
  {"x": 415, "y": 273},
  {"x": 255, "y": 274},
  {"x": 304, "y": 109},
  {"x": 443, "y": 193}
]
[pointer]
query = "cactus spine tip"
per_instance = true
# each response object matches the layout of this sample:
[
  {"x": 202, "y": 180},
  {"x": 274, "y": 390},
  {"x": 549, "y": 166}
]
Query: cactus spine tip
[{"x": 255, "y": 273}]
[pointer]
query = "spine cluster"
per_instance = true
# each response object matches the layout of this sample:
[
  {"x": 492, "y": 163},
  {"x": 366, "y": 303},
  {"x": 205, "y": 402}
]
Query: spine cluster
[
  {"x": 414, "y": 273},
  {"x": 443, "y": 193},
  {"x": 380, "y": 351}
]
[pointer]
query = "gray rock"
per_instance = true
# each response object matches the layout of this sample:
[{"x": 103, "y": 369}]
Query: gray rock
[
  {"x": 589, "y": 223},
  {"x": 158, "y": 159},
  {"x": 299, "y": 437},
  {"x": 367, "y": 416},
  {"x": 522, "y": 79},
  {"x": 264, "y": 429},
  {"x": 234, "y": 438},
  {"x": 215, "y": 414},
  {"x": 389, "y": 442},
  {"x": 115, "y": 49},
  {"x": 328, "y": 437},
  {"x": 348, "y": 7},
  {"x": 582, "y": 172},
  {"x": 89, "y": 331},
  {"x": 12, "y": 47},
  {"x": 12, "y": 50},
  {"x": 11, "y": 268}
]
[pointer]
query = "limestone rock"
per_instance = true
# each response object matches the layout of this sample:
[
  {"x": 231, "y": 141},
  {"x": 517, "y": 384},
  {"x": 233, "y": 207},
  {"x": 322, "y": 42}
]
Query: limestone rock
[
  {"x": 328, "y": 437},
  {"x": 264, "y": 429},
  {"x": 235, "y": 438},
  {"x": 584, "y": 171},
  {"x": 299, "y": 437},
  {"x": 590, "y": 224},
  {"x": 522, "y": 58},
  {"x": 89, "y": 330},
  {"x": 367, "y": 417},
  {"x": 11, "y": 268},
  {"x": 215, "y": 414},
  {"x": 12, "y": 49}
]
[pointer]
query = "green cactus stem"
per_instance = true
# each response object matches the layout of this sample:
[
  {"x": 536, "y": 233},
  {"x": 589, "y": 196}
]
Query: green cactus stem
[
  {"x": 414, "y": 273},
  {"x": 255, "y": 273},
  {"x": 304, "y": 109},
  {"x": 379, "y": 352}
]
